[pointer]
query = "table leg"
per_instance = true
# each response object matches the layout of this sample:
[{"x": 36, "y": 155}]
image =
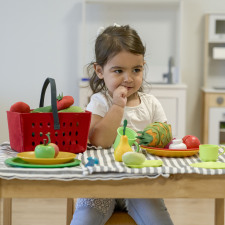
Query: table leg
[
  {"x": 7, "y": 211},
  {"x": 70, "y": 210},
  {"x": 219, "y": 211}
]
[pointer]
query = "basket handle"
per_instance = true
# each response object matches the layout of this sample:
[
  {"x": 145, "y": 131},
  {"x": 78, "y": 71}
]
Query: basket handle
[{"x": 53, "y": 100}]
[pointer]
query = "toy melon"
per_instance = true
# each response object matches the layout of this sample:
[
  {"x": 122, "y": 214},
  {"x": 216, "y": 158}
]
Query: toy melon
[{"x": 156, "y": 135}]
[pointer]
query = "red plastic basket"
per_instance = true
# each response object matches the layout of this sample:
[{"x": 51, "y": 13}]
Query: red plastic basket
[{"x": 68, "y": 130}]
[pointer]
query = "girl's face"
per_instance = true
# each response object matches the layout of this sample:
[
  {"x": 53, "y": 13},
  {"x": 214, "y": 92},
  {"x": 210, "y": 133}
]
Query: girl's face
[{"x": 124, "y": 69}]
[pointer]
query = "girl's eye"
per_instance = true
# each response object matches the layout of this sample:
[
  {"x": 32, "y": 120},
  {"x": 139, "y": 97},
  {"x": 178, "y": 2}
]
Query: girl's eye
[
  {"x": 137, "y": 70},
  {"x": 118, "y": 71}
]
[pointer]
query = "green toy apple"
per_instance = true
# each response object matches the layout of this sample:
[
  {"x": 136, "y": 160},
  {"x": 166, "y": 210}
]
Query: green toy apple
[{"x": 45, "y": 150}]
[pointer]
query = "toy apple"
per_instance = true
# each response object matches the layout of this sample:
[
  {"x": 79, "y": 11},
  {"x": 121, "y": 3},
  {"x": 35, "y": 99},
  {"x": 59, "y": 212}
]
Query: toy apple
[
  {"x": 191, "y": 141},
  {"x": 55, "y": 146},
  {"x": 44, "y": 151}
]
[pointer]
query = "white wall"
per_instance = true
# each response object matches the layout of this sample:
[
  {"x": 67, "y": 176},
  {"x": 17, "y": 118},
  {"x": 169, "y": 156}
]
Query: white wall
[
  {"x": 42, "y": 38},
  {"x": 38, "y": 39}
]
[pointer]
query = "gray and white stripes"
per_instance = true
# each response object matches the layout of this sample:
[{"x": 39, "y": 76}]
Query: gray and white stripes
[{"x": 108, "y": 168}]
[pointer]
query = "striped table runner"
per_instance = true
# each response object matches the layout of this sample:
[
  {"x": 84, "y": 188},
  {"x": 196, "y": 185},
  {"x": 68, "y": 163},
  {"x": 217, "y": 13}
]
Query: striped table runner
[{"x": 107, "y": 169}]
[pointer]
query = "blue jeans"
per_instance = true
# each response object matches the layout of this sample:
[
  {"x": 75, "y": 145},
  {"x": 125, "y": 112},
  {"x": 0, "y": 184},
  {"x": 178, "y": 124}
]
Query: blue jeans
[{"x": 143, "y": 211}]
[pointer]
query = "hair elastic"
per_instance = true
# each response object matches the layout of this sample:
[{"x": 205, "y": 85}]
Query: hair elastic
[{"x": 101, "y": 29}]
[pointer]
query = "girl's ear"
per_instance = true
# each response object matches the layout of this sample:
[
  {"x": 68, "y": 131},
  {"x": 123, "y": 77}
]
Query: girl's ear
[{"x": 99, "y": 71}]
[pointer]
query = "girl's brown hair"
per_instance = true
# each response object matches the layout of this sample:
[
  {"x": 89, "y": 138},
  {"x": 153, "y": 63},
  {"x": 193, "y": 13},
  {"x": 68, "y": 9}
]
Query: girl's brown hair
[{"x": 113, "y": 40}]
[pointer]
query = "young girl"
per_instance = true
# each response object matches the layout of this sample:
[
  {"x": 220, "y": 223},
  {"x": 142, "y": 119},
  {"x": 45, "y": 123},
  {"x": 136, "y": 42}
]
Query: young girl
[{"x": 117, "y": 86}]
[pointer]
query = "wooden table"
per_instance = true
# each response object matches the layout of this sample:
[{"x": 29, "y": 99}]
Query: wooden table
[{"x": 176, "y": 186}]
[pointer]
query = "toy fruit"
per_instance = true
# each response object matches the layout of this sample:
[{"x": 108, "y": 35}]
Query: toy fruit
[
  {"x": 45, "y": 150},
  {"x": 156, "y": 135},
  {"x": 64, "y": 102},
  {"x": 191, "y": 141},
  {"x": 20, "y": 107},
  {"x": 55, "y": 146},
  {"x": 133, "y": 158},
  {"x": 123, "y": 145}
]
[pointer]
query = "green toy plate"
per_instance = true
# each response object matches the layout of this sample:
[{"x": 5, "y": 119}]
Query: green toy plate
[
  {"x": 209, "y": 165},
  {"x": 147, "y": 163},
  {"x": 17, "y": 162}
]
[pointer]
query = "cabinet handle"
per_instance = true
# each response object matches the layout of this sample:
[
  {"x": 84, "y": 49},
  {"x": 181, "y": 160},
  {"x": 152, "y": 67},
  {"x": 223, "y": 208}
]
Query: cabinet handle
[{"x": 220, "y": 100}]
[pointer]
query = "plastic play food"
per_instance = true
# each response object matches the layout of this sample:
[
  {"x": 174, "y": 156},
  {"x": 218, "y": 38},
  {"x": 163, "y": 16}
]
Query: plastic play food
[
  {"x": 191, "y": 141},
  {"x": 177, "y": 144},
  {"x": 20, "y": 107},
  {"x": 45, "y": 150},
  {"x": 122, "y": 148},
  {"x": 156, "y": 135},
  {"x": 123, "y": 145},
  {"x": 133, "y": 158},
  {"x": 72, "y": 109},
  {"x": 55, "y": 146},
  {"x": 42, "y": 109},
  {"x": 64, "y": 102}
]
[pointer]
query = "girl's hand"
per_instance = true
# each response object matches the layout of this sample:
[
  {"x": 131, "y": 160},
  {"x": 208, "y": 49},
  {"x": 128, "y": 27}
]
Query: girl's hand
[{"x": 120, "y": 96}]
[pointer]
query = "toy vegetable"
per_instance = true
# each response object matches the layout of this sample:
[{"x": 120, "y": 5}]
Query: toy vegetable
[
  {"x": 45, "y": 150},
  {"x": 63, "y": 102},
  {"x": 156, "y": 135},
  {"x": 20, "y": 107},
  {"x": 123, "y": 145}
]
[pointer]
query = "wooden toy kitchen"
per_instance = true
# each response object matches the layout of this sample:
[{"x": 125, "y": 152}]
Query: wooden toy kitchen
[{"x": 214, "y": 80}]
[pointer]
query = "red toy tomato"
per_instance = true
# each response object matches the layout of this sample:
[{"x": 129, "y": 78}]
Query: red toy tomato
[
  {"x": 191, "y": 141},
  {"x": 55, "y": 146},
  {"x": 20, "y": 107},
  {"x": 64, "y": 102}
]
